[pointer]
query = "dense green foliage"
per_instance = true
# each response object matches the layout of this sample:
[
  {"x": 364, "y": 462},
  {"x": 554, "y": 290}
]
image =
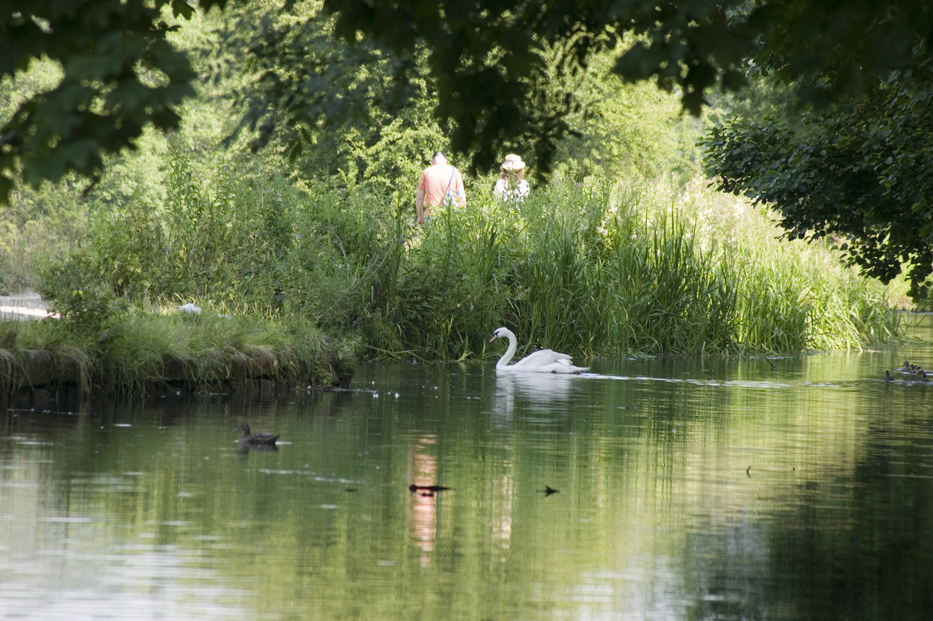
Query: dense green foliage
[
  {"x": 614, "y": 256},
  {"x": 129, "y": 353},
  {"x": 488, "y": 58},
  {"x": 590, "y": 268},
  {"x": 359, "y": 114},
  {"x": 606, "y": 270},
  {"x": 490, "y": 65},
  {"x": 119, "y": 74},
  {"x": 860, "y": 172},
  {"x": 377, "y": 129}
]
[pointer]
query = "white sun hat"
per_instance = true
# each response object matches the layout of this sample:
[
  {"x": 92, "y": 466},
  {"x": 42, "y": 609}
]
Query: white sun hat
[{"x": 513, "y": 162}]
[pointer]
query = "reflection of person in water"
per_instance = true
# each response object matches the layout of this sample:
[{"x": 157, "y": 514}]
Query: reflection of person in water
[{"x": 423, "y": 474}]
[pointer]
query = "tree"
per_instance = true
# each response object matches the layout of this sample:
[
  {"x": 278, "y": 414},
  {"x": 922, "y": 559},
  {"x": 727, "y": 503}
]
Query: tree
[
  {"x": 859, "y": 172},
  {"x": 332, "y": 108},
  {"x": 119, "y": 73},
  {"x": 489, "y": 61},
  {"x": 487, "y": 57},
  {"x": 357, "y": 111}
]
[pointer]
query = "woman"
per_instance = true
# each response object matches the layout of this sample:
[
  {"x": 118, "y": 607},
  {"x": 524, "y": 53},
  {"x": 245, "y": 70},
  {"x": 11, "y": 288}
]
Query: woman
[{"x": 512, "y": 184}]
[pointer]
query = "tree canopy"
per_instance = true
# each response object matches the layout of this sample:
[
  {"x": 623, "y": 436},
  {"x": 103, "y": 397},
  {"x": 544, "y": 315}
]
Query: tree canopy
[
  {"x": 485, "y": 54},
  {"x": 359, "y": 113},
  {"x": 489, "y": 62},
  {"x": 331, "y": 107},
  {"x": 859, "y": 172},
  {"x": 118, "y": 75}
]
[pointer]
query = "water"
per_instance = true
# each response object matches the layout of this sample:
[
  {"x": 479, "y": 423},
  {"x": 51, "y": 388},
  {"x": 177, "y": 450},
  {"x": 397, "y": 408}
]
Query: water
[{"x": 783, "y": 488}]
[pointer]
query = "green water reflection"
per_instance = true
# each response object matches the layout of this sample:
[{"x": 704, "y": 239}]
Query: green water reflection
[{"x": 789, "y": 488}]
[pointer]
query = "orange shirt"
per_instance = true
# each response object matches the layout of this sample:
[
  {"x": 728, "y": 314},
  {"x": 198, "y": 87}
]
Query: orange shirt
[{"x": 436, "y": 180}]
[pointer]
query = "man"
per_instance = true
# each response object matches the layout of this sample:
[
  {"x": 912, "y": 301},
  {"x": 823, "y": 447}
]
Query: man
[{"x": 439, "y": 184}]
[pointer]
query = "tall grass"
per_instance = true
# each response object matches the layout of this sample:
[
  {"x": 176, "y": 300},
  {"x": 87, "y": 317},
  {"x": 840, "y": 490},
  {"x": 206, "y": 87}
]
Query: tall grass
[
  {"x": 643, "y": 267},
  {"x": 593, "y": 268}
]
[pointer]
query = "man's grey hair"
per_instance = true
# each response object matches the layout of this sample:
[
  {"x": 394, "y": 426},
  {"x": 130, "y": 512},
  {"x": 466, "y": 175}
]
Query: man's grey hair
[{"x": 438, "y": 158}]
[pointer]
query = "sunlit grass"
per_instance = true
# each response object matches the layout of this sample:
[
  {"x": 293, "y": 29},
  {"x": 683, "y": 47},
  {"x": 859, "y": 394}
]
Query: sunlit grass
[
  {"x": 639, "y": 267},
  {"x": 593, "y": 268},
  {"x": 130, "y": 354}
]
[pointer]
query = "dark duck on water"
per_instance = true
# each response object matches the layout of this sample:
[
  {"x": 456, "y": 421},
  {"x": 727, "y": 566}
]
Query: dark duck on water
[{"x": 255, "y": 439}]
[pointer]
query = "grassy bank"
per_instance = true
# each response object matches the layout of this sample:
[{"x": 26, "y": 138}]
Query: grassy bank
[
  {"x": 593, "y": 268},
  {"x": 151, "y": 351}
]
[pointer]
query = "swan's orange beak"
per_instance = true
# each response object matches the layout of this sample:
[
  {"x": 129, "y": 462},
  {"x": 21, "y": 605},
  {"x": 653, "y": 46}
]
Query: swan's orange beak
[{"x": 494, "y": 337}]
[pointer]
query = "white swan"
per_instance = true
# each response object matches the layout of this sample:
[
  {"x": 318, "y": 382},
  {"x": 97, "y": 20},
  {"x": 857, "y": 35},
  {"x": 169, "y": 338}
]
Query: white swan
[{"x": 541, "y": 361}]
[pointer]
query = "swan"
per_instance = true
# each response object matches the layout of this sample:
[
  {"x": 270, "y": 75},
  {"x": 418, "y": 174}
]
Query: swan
[{"x": 541, "y": 361}]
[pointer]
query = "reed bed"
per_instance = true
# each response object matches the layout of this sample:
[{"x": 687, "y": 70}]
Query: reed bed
[
  {"x": 633, "y": 268},
  {"x": 593, "y": 268}
]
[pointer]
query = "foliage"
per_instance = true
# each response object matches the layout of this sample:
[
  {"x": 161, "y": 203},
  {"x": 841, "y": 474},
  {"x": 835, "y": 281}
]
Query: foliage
[
  {"x": 488, "y": 64},
  {"x": 363, "y": 116},
  {"x": 622, "y": 129},
  {"x": 377, "y": 126},
  {"x": 589, "y": 267},
  {"x": 608, "y": 270},
  {"x": 222, "y": 239},
  {"x": 858, "y": 173},
  {"x": 488, "y": 58},
  {"x": 128, "y": 354},
  {"x": 87, "y": 304},
  {"x": 118, "y": 75},
  {"x": 36, "y": 226}
]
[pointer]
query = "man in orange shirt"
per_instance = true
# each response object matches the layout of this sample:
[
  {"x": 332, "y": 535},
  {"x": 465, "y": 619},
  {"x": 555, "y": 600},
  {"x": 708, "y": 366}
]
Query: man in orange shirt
[{"x": 439, "y": 184}]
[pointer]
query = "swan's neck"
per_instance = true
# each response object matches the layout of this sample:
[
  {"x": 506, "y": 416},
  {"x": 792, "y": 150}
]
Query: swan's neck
[{"x": 507, "y": 356}]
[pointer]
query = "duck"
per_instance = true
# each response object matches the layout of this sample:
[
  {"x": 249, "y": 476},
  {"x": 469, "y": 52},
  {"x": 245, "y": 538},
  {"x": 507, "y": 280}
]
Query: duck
[
  {"x": 887, "y": 376},
  {"x": 255, "y": 439},
  {"x": 427, "y": 488},
  {"x": 541, "y": 361},
  {"x": 922, "y": 376},
  {"x": 427, "y": 491}
]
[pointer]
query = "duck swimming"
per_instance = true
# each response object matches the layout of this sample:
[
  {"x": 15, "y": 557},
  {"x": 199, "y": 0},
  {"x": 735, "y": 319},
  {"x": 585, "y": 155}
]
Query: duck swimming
[{"x": 255, "y": 439}]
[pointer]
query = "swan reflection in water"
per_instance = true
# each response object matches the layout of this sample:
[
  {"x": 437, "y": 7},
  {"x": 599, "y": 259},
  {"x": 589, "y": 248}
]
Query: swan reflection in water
[{"x": 539, "y": 390}]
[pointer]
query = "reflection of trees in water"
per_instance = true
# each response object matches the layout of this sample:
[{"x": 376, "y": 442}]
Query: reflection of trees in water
[
  {"x": 845, "y": 543},
  {"x": 858, "y": 544},
  {"x": 338, "y": 402},
  {"x": 726, "y": 568},
  {"x": 260, "y": 448}
]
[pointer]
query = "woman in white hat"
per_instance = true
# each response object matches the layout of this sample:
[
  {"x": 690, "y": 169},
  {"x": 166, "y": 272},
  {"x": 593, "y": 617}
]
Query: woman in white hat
[{"x": 512, "y": 185}]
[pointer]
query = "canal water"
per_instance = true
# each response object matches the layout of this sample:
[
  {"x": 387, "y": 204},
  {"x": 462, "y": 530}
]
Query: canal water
[{"x": 668, "y": 488}]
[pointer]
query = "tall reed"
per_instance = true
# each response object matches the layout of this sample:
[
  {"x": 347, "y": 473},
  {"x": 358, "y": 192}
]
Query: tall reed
[
  {"x": 604, "y": 269},
  {"x": 593, "y": 268}
]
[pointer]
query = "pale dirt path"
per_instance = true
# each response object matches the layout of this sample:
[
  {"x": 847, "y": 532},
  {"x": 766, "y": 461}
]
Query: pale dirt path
[{"x": 25, "y": 305}]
